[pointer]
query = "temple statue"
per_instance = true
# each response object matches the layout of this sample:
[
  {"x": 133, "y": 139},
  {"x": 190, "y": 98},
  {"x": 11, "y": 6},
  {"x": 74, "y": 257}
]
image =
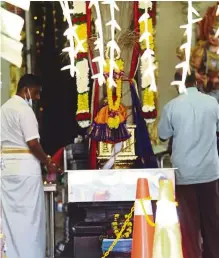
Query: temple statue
[{"x": 205, "y": 54}]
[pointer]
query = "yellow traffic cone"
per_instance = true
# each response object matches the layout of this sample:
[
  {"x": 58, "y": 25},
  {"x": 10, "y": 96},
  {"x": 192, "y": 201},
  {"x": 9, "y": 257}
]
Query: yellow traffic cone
[{"x": 167, "y": 238}]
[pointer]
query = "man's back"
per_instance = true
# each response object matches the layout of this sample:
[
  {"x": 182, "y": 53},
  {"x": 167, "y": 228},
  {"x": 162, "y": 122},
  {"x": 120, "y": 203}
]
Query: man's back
[
  {"x": 18, "y": 123},
  {"x": 193, "y": 118}
]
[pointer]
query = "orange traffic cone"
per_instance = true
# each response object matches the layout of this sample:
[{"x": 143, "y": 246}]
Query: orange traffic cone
[
  {"x": 167, "y": 238},
  {"x": 143, "y": 233}
]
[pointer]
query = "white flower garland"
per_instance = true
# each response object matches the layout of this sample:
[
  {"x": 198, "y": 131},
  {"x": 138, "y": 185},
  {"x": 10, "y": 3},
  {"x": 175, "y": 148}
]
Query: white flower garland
[
  {"x": 99, "y": 43},
  {"x": 147, "y": 59},
  {"x": 147, "y": 66},
  {"x": 79, "y": 7},
  {"x": 82, "y": 78},
  {"x": 145, "y": 81},
  {"x": 112, "y": 46},
  {"x": 84, "y": 124},
  {"x": 72, "y": 37},
  {"x": 185, "y": 65},
  {"x": 82, "y": 66}
]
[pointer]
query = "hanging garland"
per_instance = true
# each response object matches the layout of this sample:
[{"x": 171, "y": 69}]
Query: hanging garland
[
  {"x": 118, "y": 223},
  {"x": 149, "y": 111},
  {"x": 83, "y": 115},
  {"x": 109, "y": 125},
  {"x": 114, "y": 103}
]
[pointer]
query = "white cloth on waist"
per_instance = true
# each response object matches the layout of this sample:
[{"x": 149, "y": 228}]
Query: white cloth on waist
[{"x": 23, "y": 210}]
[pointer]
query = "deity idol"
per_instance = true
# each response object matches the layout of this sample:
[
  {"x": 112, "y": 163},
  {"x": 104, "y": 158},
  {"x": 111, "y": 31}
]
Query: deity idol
[{"x": 205, "y": 54}]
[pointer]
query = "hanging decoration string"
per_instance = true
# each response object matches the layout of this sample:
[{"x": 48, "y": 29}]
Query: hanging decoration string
[
  {"x": 147, "y": 57},
  {"x": 112, "y": 46},
  {"x": 99, "y": 45},
  {"x": 83, "y": 115},
  {"x": 185, "y": 65},
  {"x": 149, "y": 111},
  {"x": 75, "y": 45}
]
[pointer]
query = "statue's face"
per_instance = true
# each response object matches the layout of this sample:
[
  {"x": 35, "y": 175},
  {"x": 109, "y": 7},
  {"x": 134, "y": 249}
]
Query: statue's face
[{"x": 213, "y": 41}]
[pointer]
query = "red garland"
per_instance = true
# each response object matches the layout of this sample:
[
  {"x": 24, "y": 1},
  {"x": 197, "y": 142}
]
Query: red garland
[
  {"x": 79, "y": 19},
  {"x": 83, "y": 116},
  {"x": 150, "y": 114},
  {"x": 81, "y": 56}
]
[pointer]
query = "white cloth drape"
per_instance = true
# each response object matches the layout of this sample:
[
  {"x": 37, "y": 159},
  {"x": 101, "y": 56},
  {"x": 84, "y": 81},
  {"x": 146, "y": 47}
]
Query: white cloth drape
[{"x": 23, "y": 210}]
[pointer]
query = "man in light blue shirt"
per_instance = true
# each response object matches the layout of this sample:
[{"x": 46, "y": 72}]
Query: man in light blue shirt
[{"x": 191, "y": 120}]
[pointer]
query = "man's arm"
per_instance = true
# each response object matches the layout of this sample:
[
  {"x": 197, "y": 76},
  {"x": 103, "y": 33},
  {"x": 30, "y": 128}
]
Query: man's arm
[
  {"x": 29, "y": 127},
  {"x": 165, "y": 129},
  {"x": 37, "y": 150}
]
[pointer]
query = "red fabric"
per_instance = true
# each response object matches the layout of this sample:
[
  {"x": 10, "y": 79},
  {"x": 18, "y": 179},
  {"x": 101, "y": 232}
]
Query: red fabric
[
  {"x": 58, "y": 157},
  {"x": 93, "y": 146},
  {"x": 136, "y": 49}
]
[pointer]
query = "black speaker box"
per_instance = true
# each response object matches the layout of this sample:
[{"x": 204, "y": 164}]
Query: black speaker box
[{"x": 87, "y": 247}]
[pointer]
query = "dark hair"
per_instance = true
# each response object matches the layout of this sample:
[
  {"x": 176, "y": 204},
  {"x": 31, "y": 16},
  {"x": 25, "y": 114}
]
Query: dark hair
[
  {"x": 30, "y": 81},
  {"x": 190, "y": 79}
]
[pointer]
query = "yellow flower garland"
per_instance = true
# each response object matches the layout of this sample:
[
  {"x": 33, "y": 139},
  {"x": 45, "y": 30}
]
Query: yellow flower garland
[
  {"x": 113, "y": 122},
  {"x": 115, "y": 226},
  {"x": 148, "y": 97},
  {"x": 114, "y": 105},
  {"x": 83, "y": 103},
  {"x": 82, "y": 35},
  {"x": 119, "y": 63}
]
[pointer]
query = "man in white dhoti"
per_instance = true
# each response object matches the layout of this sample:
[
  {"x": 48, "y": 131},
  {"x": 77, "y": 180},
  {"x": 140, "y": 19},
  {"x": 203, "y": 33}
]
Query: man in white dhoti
[{"x": 22, "y": 197}]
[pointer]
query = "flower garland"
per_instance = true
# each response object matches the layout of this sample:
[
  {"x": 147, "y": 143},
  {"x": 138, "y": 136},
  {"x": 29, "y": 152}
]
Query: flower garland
[
  {"x": 185, "y": 64},
  {"x": 149, "y": 111},
  {"x": 83, "y": 115},
  {"x": 114, "y": 103},
  {"x": 112, "y": 46},
  {"x": 99, "y": 44},
  {"x": 118, "y": 223}
]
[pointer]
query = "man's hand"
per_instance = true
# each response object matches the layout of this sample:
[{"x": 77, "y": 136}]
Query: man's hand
[
  {"x": 52, "y": 167},
  {"x": 37, "y": 150}
]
